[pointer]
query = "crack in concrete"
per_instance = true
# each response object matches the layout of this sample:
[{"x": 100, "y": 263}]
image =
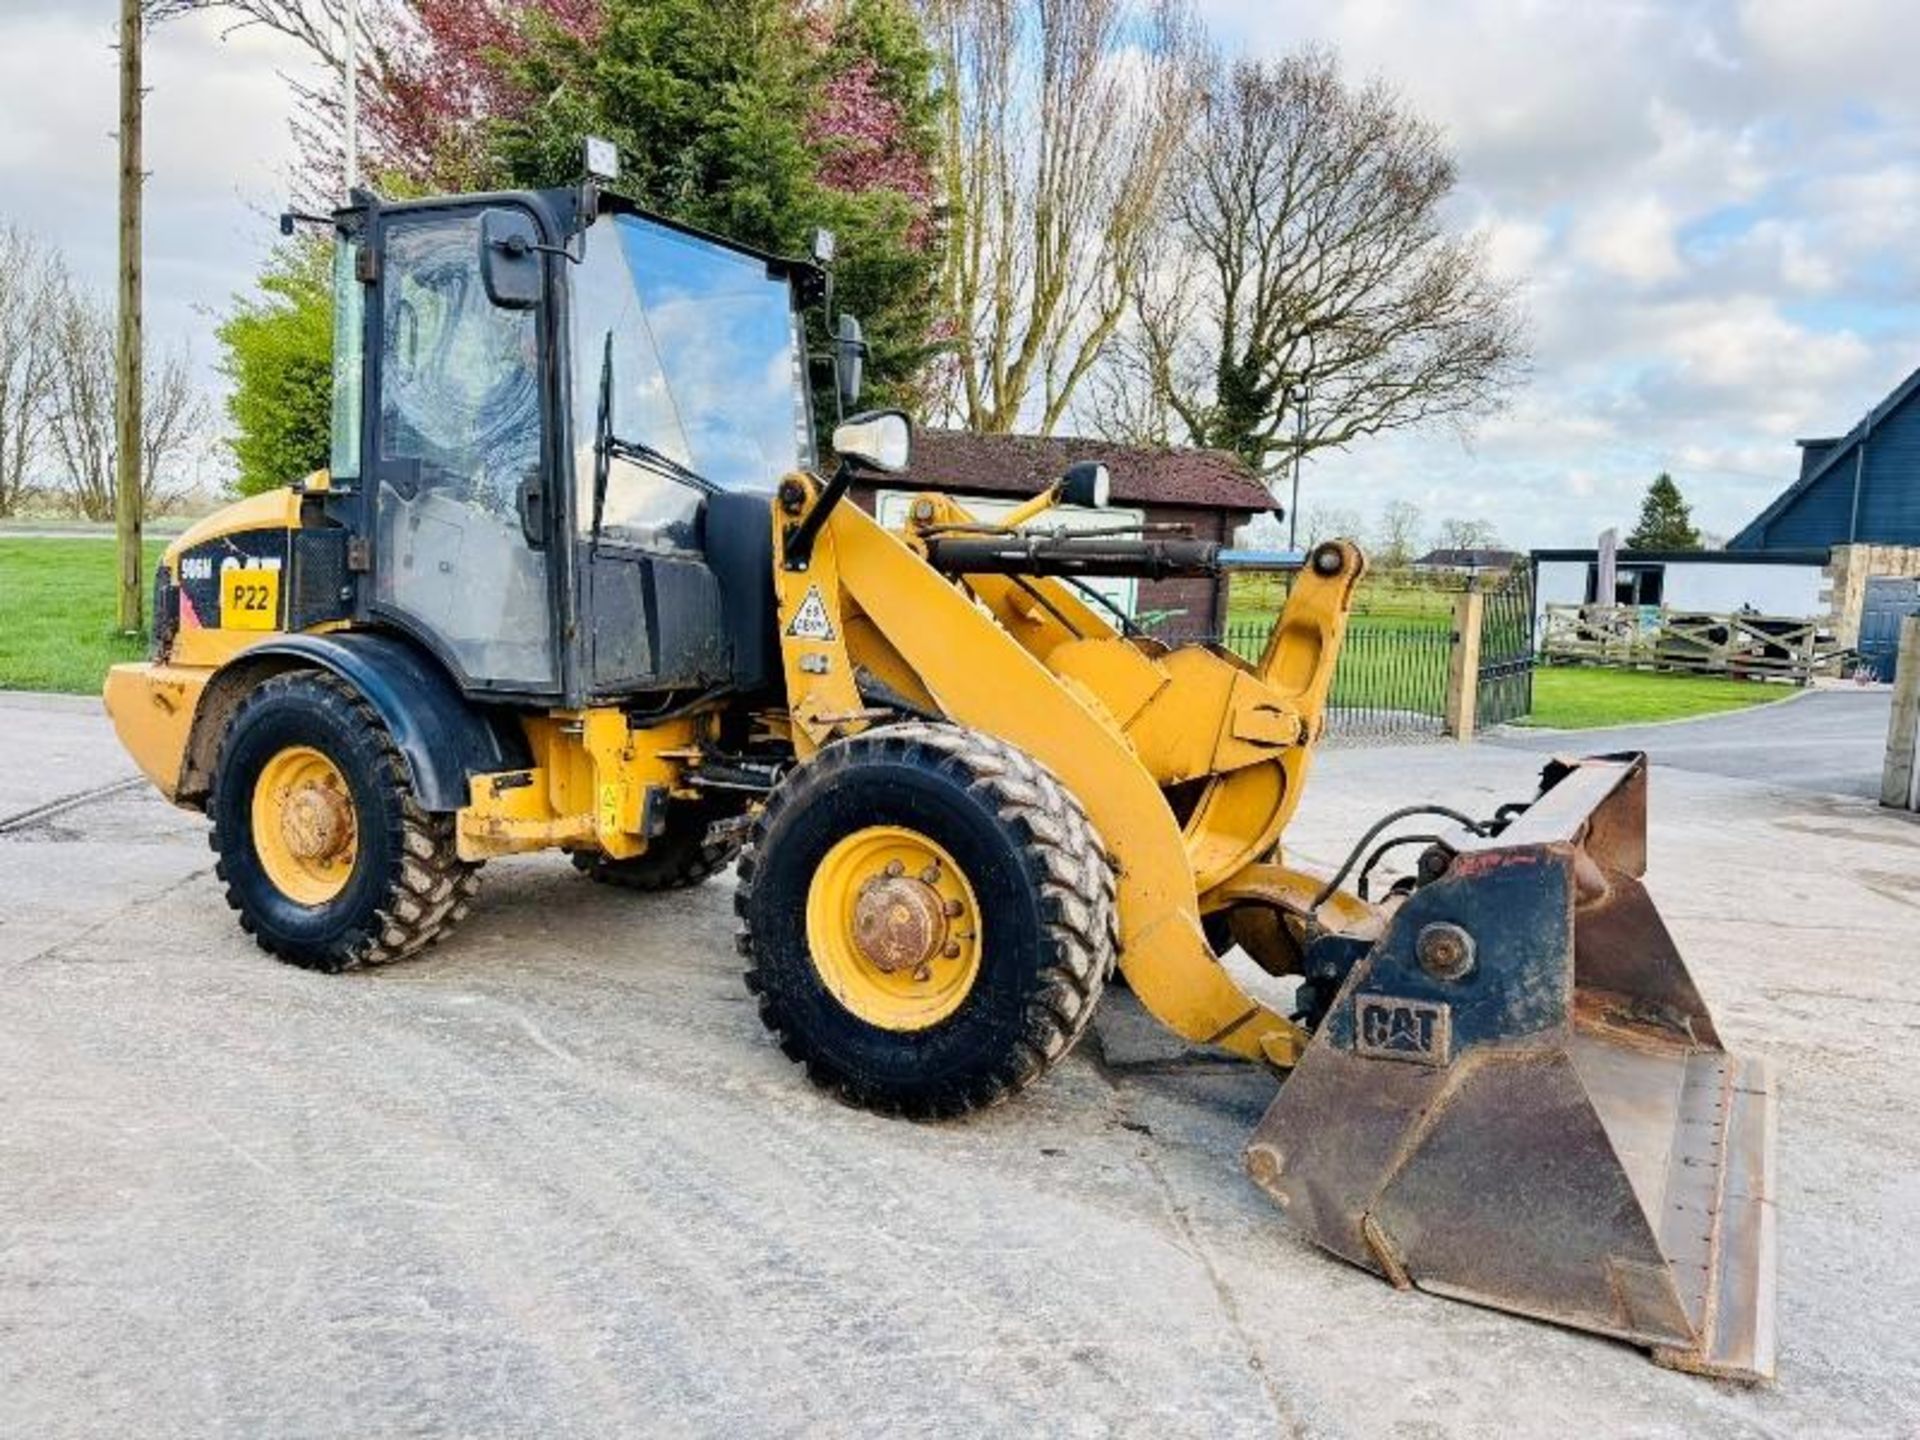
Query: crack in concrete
[
  {"x": 1283, "y": 1418},
  {"x": 52, "y": 952},
  {"x": 35, "y": 814}
]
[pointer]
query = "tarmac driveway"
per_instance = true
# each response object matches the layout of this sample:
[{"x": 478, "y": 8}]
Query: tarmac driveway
[
  {"x": 1833, "y": 741},
  {"x": 553, "y": 1179}
]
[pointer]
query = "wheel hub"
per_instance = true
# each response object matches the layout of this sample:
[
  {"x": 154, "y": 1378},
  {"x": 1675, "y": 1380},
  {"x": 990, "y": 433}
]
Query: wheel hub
[
  {"x": 304, "y": 830},
  {"x": 899, "y": 922},
  {"x": 893, "y": 927},
  {"x": 317, "y": 823}
]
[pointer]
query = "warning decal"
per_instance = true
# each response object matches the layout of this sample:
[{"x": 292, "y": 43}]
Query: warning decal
[{"x": 810, "y": 621}]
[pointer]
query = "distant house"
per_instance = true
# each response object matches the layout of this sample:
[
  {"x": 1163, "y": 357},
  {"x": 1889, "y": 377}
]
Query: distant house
[
  {"x": 1206, "y": 492},
  {"x": 1466, "y": 562}
]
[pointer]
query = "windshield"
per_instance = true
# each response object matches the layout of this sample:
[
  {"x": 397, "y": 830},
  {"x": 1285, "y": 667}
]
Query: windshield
[{"x": 708, "y": 368}]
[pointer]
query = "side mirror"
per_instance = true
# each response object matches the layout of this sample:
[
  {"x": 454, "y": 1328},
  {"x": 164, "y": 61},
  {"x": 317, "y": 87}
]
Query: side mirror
[
  {"x": 881, "y": 439},
  {"x": 1087, "y": 484},
  {"x": 849, "y": 360},
  {"x": 510, "y": 251}
]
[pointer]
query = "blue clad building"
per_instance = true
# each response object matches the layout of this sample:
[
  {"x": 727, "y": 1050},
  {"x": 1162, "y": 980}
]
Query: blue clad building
[
  {"x": 1860, "y": 488},
  {"x": 1858, "y": 497}
]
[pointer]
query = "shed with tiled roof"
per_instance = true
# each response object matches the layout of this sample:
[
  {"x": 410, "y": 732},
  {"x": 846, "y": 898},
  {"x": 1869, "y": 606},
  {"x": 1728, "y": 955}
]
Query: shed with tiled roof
[{"x": 1206, "y": 492}]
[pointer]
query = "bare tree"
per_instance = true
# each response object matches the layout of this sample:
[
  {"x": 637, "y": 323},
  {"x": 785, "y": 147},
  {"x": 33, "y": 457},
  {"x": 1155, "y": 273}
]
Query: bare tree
[
  {"x": 31, "y": 276},
  {"x": 80, "y": 413},
  {"x": 1316, "y": 294},
  {"x": 1457, "y": 534},
  {"x": 318, "y": 27},
  {"x": 80, "y": 405},
  {"x": 1397, "y": 535},
  {"x": 1060, "y": 124},
  {"x": 1328, "y": 522}
]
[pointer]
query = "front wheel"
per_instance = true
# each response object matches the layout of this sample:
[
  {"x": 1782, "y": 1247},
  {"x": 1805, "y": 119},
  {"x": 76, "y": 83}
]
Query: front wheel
[
  {"x": 324, "y": 850},
  {"x": 928, "y": 919}
]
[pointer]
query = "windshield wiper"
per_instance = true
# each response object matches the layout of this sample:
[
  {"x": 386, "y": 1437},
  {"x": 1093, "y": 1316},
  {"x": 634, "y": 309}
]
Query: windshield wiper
[{"x": 608, "y": 446}]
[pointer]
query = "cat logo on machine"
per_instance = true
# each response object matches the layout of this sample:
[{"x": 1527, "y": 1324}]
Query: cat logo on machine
[
  {"x": 811, "y": 621},
  {"x": 1388, "y": 1029}
]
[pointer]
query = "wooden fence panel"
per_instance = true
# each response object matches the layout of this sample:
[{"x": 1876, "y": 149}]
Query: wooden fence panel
[{"x": 1659, "y": 638}]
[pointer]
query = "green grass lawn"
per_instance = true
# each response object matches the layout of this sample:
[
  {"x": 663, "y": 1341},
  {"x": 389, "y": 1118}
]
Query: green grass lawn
[
  {"x": 56, "y": 614},
  {"x": 1568, "y": 697},
  {"x": 1256, "y": 597}
]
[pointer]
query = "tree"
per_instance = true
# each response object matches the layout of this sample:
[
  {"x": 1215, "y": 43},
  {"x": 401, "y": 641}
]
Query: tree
[
  {"x": 1312, "y": 276},
  {"x": 747, "y": 120},
  {"x": 278, "y": 358},
  {"x": 1457, "y": 534},
  {"x": 1666, "y": 520},
  {"x": 1397, "y": 535},
  {"x": 32, "y": 278},
  {"x": 447, "y": 71},
  {"x": 1060, "y": 121},
  {"x": 760, "y": 121},
  {"x": 80, "y": 410}
]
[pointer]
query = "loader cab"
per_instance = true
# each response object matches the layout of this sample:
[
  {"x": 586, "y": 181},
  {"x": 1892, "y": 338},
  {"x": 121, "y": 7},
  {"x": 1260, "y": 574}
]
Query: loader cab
[{"x": 558, "y": 424}]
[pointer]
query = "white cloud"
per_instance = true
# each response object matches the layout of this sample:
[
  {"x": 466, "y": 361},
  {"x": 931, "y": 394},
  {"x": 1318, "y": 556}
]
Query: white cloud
[
  {"x": 217, "y": 154},
  {"x": 1711, "y": 208},
  {"x": 1632, "y": 238}
]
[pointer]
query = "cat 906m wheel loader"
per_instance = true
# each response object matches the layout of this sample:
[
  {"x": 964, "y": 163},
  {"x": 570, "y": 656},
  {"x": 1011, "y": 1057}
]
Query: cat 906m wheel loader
[{"x": 571, "y": 582}]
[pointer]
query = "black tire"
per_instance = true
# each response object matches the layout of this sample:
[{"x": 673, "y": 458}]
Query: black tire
[
  {"x": 1046, "y": 898},
  {"x": 408, "y": 885},
  {"x": 679, "y": 856}
]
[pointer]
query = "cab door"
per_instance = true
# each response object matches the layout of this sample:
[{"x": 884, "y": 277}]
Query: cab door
[{"x": 460, "y": 479}]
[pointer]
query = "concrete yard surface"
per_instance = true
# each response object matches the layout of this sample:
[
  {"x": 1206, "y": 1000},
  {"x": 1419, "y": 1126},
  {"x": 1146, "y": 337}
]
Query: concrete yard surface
[
  {"x": 1832, "y": 740},
  {"x": 553, "y": 1179}
]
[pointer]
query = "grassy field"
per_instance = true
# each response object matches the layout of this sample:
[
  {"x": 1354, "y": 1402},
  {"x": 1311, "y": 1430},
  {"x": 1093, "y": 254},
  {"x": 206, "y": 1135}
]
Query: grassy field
[
  {"x": 1569, "y": 697},
  {"x": 1255, "y": 598},
  {"x": 56, "y": 614}
]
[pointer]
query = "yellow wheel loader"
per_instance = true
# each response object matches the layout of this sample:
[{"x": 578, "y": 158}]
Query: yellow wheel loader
[{"x": 574, "y": 580}]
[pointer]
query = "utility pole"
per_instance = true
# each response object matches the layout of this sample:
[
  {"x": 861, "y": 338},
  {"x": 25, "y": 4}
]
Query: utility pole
[
  {"x": 351, "y": 47},
  {"x": 127, "y": 357},
  {"x": 1300, "y": 396}
]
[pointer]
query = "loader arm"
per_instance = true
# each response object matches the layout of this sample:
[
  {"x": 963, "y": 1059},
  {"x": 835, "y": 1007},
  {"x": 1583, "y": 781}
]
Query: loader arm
[{"x": 1025, "y": 660}]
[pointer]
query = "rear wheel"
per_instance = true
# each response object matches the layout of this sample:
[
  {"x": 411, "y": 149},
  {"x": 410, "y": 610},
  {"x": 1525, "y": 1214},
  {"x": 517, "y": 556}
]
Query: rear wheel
[
  {"x": 928, "y": 919},
  {"x": 324, "y": 850},
  {"x": 683, "y": 854}
]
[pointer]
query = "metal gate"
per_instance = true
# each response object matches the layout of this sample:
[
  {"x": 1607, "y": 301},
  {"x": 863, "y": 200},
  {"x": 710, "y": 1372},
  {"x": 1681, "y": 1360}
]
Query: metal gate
[
  {"x": 1506, "y": 649},
  {"x": 1390, "y": 681},
  {"x": 1887, "y": 602}
]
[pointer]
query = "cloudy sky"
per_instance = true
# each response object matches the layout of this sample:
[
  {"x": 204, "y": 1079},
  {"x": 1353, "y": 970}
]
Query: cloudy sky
[{"x": 1713, "y": 206}]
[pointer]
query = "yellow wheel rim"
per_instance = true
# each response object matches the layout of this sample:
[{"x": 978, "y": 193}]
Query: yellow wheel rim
[
  {"x": 304, "y": 829},
  {"x": 894, "y": 928}
]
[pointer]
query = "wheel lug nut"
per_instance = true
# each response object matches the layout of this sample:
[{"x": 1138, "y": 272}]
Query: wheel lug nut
[
  {"x": 931, "y": 874},
  {"x": 895, "y": 869},
  {"x": 923, "y": 973},
  {"x": 954, "y": 907},
  {"x": 951, "y": 950}
]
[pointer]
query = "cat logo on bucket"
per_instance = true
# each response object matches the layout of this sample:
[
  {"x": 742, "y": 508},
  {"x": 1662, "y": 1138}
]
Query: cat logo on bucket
[{"x": 1415, "y": 1030}]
